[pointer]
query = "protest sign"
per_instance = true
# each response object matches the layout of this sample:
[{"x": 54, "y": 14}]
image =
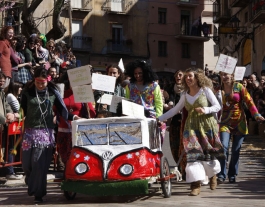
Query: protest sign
[
  {"x": 103, "y": 82},
  {"x": 114, "y": 103},
  {"x": 121, "y": 65},
  {"x": 83, "y": 94},
  {"x": 226, "y": 64},
  {"x": 132, "y": 109},
  {"x": 79, "y": 76},
  {"x": 239, "y": 73},
  {"x": 105, "y": 99}
]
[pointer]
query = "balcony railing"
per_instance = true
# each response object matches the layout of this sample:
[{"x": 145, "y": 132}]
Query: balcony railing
[
  {"x": 239, "y": 3},
  {"x": 84, "y": 5},
  {"x": 190, "y": 3},
  {"x": 257, "y": 11},
  {"x": 119, "y": 47},
  {"x": 187, "y": 31},
  {"x": 82, "y": 43},
  {"x": 117, "y": 6},
  {"x": 221, "y": 12}
]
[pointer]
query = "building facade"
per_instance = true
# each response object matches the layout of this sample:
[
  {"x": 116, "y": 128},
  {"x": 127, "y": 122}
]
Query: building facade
[
  {"x": 167, "y": 34},
  {"x": 175, "y": 40},
  {"x": 242, "y": 32}
]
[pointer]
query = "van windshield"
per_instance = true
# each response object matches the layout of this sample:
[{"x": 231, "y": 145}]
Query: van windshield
[{"x": 109, "y": 134}]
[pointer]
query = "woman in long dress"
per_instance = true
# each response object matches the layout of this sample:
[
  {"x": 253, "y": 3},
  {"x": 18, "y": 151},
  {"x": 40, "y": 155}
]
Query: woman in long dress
[{"x": 200, "y": 136}]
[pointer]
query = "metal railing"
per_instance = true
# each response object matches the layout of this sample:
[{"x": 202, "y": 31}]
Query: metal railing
[
  {"x": 118, "y": 47},
  {"x": 257, "y": 6},
  {"x": 186, "y": 29},
  {"x": 82, "y": 43},
  {"x": 188, "y": 1}
]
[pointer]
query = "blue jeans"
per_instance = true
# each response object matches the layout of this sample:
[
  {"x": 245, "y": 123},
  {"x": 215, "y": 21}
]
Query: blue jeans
[{"x": 234, "y": 161}]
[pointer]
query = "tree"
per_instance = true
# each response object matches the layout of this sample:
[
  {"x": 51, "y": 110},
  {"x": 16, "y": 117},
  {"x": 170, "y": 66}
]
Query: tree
[{"x": 29, "y": 26}]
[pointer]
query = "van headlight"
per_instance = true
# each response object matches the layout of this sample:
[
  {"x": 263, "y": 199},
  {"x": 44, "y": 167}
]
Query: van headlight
[
  {"x": 126, "y": 169},
  {"x": 81, "y": 168}
]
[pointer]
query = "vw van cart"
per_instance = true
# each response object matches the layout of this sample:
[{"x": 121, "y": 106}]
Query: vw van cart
[{"x": 116, "y": 156}]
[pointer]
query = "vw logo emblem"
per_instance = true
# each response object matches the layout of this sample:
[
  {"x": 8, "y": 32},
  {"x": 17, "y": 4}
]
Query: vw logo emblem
[{"x": 107, "y": 155}]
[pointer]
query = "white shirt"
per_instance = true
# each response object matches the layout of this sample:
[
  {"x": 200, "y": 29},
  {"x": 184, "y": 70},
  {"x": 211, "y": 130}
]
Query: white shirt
[{"x": 214, "y": 108}]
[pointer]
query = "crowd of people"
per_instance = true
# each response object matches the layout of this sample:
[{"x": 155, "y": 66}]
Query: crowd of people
[{"x": 202, "y": 110}]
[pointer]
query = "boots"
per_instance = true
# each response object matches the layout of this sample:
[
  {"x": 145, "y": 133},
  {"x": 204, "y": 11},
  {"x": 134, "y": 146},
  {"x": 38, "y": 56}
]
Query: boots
[
  {"x": 195, "y": 188},
  {"x": 213, "y": 182}
]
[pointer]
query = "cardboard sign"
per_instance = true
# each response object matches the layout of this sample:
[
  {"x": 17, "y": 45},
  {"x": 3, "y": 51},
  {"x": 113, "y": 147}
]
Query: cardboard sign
[
  {"x": 132, "y": 109},
  {"x": 79, "y": 76},
  {"x": 103, "y": 82},
  {"x": 114, "y": 103},
  {"x": 105, "y": 99},
  {"x": 83, "y": 94},
  {"x": 239, "y": 73},
  {"x": 226, "y": 64},
  {"x": 121, "y": 65}
]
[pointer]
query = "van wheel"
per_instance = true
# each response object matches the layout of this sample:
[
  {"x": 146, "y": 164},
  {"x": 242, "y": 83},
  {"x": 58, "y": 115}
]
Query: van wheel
[{"x": 165, "y": 171}]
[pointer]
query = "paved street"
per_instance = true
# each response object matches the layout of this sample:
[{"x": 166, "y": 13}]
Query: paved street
[{"x": 248, "y": 191}]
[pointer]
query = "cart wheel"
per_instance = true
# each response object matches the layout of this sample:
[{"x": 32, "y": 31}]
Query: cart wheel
[
  {"x": 165, "y": 171},
  {"x": 69, "y": 195}
]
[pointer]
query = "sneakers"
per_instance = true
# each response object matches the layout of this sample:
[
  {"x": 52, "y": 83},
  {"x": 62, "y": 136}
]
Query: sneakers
[{"x": 14, "y": 177}]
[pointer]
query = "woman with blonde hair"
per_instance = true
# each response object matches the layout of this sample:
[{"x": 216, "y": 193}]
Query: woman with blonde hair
[
  {"x": 233, "y": 122},
  {"x": 200, "y": 136}
]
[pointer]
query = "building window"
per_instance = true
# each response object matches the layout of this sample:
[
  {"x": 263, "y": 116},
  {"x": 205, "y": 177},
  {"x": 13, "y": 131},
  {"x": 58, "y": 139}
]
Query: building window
[
  {"x": 162, "y": 48},
  {"x": 185, "y": 50},
  {"x": 246, "y": 17},
  {"x": 162, "y": 15}
]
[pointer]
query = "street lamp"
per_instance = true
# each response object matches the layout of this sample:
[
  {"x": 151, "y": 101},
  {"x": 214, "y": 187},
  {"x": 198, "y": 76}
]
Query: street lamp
[{"x": 234, "y": 22}]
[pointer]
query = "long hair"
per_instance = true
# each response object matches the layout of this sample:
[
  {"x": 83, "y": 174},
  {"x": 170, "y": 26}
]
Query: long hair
[
  {"x": 4, "y": 31},
  {"x": 41, "y": 72},
  {"x": 202, "y": 80},
  {"x": 120, "y": 79},
  {"x": 20, "y": 43},
  {"x": 13, "y": 88},
  {"x": 148, "y": 74}
]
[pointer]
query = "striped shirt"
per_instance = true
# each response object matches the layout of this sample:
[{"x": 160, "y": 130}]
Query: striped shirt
[{"x": 13, "y": 102}]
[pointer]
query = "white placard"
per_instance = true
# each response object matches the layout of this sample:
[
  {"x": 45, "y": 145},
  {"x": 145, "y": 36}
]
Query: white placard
[
  {"x": 79, "y": 76},
  {"x": 121, "y": 65},
  {"x": 105, "y": 99},
  {"x": 61, "y": 87},
  {"x": 103, "y": 82},
  {"x": 114, "y": 103},
  {"x": 226, "y": 64},
  {"x": 239, "y": 73},
  {"x": 83, "y": 94},
  {"x": 132, "y": 109}
]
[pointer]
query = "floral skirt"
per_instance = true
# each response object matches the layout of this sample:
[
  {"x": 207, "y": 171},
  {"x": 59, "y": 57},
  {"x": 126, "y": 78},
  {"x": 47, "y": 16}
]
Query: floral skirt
[{"x": 38, "y": 137}]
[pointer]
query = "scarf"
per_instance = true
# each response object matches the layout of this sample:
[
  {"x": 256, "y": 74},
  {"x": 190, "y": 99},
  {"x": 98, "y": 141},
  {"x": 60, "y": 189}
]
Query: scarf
[{"x": 178, "y": 88}]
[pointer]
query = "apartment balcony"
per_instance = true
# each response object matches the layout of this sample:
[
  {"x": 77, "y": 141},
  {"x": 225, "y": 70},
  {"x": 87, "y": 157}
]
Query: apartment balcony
[
  {"x": 119, "y": 47},
  {"x": 82, "y": 5},
  {"x": 116, "y": 7},
  {"x": 188, "y": 3},
  {"x": 82, "y": 43},
  {"x": 257, "y": 12},
  {"x": 189, "y": 32},
  {"x": 221, "y": 12},
  {"x": 239, "y": 3}
]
